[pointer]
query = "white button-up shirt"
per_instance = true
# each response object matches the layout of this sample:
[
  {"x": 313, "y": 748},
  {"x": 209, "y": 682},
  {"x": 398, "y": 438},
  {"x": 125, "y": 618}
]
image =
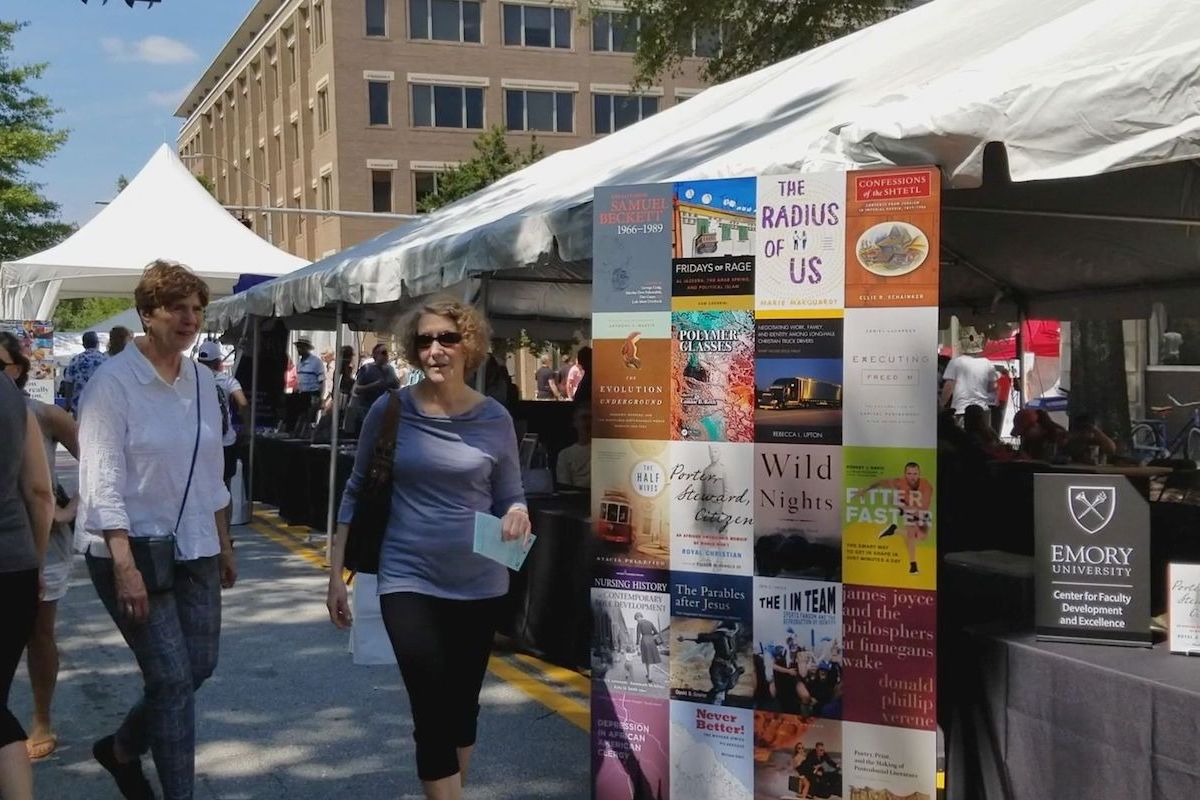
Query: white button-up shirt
[
  {"x": 136, "y": 434},
  {"x": 310, "y": 374}
]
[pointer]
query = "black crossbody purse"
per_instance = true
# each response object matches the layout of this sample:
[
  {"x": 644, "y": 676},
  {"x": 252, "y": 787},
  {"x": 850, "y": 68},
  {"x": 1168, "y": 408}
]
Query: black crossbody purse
[
  {"x": 154, "y": 556},
  {"x": 373, "y": 504}
]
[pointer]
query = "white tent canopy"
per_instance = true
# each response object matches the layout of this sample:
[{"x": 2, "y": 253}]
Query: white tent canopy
[
  {"x": 1079, "y": 96},
  {"x": 164, "y": 212}
]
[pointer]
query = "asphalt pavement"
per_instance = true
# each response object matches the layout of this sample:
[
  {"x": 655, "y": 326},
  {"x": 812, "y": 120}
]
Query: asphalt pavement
[{"x": 287, "y": 714}]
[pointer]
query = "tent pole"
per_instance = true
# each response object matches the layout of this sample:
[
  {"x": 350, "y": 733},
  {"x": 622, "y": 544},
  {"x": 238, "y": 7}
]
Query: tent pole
[
  {"x": 1022, "y": 392},
  {"x": 334, "y": 396},
  {"x": 253, "y": 410},
  {"x": 481, "y": 373}
]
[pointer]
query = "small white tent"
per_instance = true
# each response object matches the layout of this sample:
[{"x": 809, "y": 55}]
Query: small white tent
[{"x": 164, "y": 212}]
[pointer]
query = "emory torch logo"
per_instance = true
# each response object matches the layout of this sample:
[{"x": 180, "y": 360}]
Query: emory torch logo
[{"x": 1092, "y": 507}]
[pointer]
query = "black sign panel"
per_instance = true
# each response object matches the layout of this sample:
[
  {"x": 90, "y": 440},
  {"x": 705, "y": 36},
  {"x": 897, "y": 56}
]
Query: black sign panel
[{"x": 1092, "y": 539}]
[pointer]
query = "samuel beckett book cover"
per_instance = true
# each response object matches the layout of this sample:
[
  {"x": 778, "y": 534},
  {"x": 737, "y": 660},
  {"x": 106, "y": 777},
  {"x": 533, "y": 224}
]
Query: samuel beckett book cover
[{"x": 712, "y": 376}]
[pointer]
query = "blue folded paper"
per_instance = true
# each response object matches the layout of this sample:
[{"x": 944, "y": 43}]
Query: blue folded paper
[{"x": 488, "y": 543}]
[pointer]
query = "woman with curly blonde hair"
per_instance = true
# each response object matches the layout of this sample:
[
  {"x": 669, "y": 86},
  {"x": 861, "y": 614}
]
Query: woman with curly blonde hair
[{"x": 455, "y": 454}]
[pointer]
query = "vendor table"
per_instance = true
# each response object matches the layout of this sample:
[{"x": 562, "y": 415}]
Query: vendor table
[{"x": 1070, "y": 721}]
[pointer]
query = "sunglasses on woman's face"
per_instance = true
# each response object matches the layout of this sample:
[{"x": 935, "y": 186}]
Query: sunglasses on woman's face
[{"x": 424, "y": 341}]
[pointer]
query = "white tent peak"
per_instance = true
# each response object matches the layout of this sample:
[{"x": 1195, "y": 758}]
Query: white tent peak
[{"x": 164, "y": 212}]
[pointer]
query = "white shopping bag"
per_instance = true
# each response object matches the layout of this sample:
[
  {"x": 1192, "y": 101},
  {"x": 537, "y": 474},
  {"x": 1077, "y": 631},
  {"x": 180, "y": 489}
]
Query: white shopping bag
[
  {"x": 369, "y": 642},
  {"x": 240, "y": 513}
]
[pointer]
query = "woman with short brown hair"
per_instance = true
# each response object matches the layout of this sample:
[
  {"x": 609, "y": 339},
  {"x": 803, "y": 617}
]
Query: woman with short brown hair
[
  {"x": 455, "y": 455},
  {"x": 152, "y": 527}
]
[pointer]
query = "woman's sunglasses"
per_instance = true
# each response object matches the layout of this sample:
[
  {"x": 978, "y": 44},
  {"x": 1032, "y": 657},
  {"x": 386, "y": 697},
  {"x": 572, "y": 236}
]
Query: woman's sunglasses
[{"x": 446, "y": 339}]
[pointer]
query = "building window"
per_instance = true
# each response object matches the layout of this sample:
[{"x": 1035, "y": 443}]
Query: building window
[
  {"x": 381, "y": 190},
  {"x": 447, "y": 106},
  {"x": 376, "y": 17},
  {"x": 276, "y": 156},
  {"x": 318, "y": 26},
  {"x": 614, "y": 32},
  {"x": 706, "y": 44},
  {"x": 444, "y": 20},
  {"x": 425, "y": 184},
  {"x": 291, "y": 57},
  {"x": 526, "y": 110},
  {"x": 294, "y": 140},
  {"x": 537, "y": 26},
  {"x": 327, "y": 191},
  {"x": 275, "y": 79},
  {"x": 612, "y": 112},
  {"x": 322, "y": 110},
  {"x": 380, "y": 110}
]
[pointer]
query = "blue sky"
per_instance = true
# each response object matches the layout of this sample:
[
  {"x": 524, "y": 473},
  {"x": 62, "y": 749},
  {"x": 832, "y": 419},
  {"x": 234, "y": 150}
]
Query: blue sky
[{"x": 117, "y": 74}]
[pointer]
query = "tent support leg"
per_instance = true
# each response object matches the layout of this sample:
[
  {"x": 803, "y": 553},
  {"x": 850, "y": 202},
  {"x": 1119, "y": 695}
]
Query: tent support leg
[
  {"x": 481, "y": 373},
  {"x": 253, "y": 410},
  {"x": 334, "y": 430},
  {"x": 1022, "y": 391}
]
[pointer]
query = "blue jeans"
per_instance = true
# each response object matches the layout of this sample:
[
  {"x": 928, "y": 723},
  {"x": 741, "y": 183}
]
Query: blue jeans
[{"x": 176, "y": 649}]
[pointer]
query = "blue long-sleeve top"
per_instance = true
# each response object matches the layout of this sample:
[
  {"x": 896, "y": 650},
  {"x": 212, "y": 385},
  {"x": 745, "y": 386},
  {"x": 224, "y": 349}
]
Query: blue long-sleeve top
[{"x": 443, "y": 471}]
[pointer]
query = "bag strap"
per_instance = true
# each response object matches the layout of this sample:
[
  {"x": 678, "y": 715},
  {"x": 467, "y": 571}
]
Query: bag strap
[
  {"x": 385, "y": 442},
  {"x": 195, "y": 450}
]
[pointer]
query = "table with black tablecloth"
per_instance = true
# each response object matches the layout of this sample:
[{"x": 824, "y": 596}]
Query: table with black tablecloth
[
  {"x": 1075, "y": 722},
  {"x": 293, "y": 475}
]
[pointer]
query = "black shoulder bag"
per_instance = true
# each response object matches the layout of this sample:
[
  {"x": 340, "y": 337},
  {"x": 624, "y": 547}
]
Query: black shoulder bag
[
  {"x": 154, "y": 556},
  {"x": 373, "y": 505}
]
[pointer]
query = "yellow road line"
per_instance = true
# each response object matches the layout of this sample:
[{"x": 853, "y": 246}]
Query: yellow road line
[
  {"x": 562, "y": 675},
  {"x": 572, "y": 710},
  {"x": 534, "y": 685}
]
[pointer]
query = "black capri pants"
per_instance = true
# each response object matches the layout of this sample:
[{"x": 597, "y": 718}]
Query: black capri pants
[
  {"x": 19, "y": 599},
  {"x": 442, "y": 647}
]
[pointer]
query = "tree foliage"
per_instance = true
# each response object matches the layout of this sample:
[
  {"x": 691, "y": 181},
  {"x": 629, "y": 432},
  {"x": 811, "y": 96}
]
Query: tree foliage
[
  {"x": 28, "y": 221},
  {"x": 752, "y": 33},
  {"x": 493, "y": 160},
  {"x": 79, "y": 314}
]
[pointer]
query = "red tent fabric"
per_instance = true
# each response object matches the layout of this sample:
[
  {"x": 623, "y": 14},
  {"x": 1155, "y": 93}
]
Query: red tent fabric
[{"x": 1042, "y": 338}]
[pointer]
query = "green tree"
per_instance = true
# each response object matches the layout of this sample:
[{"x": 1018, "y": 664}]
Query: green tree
[
  {"x": 493, "y": 160},
  {"x": 28, "y": 221},
  {"x": 743, "y": 35},
  {"x": 80, "y": 313}
]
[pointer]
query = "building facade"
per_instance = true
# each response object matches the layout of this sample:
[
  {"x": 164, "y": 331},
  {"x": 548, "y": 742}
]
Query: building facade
[{"x": 358, "y": 105}]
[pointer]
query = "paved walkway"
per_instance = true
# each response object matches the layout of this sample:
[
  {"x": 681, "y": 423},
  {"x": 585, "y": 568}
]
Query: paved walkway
[{"x": 287, "y": 715}]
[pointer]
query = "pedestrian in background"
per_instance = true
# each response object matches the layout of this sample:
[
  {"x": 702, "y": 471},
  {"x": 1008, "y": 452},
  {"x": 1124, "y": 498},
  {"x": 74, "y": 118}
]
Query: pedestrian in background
[
  {"x": 455, "y": 455},
  {"x": 55, "y": 427},
  {"x": 152, "y": 526},
  {"x": 26, "y": 511},
  {"x": 80, "y": 370},
  {"x": 118, "y": 337}
]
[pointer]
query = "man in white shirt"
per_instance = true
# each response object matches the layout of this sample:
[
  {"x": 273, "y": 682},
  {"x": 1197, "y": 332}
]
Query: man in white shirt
[
  {"x": 574, "y": 467},
  {"x": 310, "y": 376},
  {"x": 970, "y": 379},
  {"x": 229, "y": 394}
]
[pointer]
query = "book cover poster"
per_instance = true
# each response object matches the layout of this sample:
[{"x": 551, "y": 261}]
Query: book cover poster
[
  {"x": 889, "y": 662},
  {"x": 712, "y": 753},
  {"x": 888, "y": 763},
  {"x": 798, "y": 647},
  {"x": 801, "y": 244},
  {"x": 798, "y": 381},
  {"x": 893, "y": 228},
  {"x": 631, "y": 628},
  {"x": 798, "y": 511},
  {"x": 631, "y": 248},
  {"x": 712, "y": 376},
  {"x": 630, "y": 746},
  {"x": 712, "y": 507},
  {"x": 890, "y": 383},
  {"x": 631, "y": 360},
  {"x": 798, "y": 758},
  {"x": 715, "y": 218},
  {"x": 890, "y": 512},
  {"x": 631, "y": 503},
  {"x": 712, "y": 283},
  {"x": 711, "y": 658}
]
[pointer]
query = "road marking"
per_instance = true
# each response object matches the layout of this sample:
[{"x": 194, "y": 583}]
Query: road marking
[
  {"x": 571, "y": 710},
  {"x": 561, "y": 690}
]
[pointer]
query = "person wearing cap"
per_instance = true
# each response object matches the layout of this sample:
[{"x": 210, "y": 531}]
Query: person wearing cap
[
  {"x": 229, "y": 394},
  {"x": 969, "y": 379},
  {"x": 81, "y": 369},
  {"x": 310, "y": 374}
]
